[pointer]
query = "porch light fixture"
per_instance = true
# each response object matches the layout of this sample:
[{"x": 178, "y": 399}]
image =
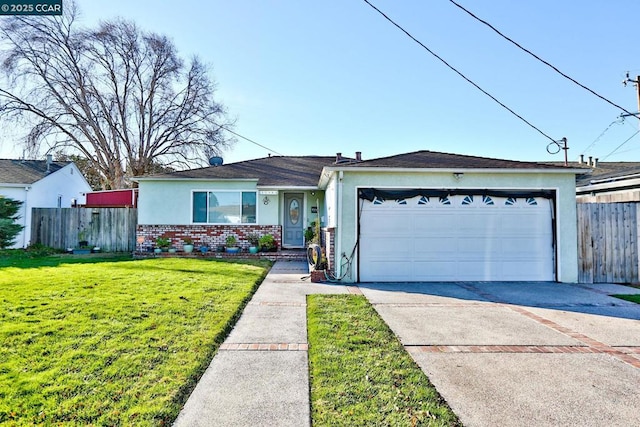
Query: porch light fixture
[
  {"x": 265, "y": 201},
  {"x": 458, "y": 175}
]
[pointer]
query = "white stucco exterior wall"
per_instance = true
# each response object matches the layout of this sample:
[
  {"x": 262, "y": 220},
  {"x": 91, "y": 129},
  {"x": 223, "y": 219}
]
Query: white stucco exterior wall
[
  {"x": 562, "y": 183},
  {"x": 63, "y": 185},
  {"x": 169, "y": 202},
  {"x": 331, "y": 201}
]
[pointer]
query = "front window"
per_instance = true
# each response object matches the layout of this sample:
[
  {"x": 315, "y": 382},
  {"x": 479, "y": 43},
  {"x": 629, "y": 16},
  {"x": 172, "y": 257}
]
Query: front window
[{"x": 224, "y": 207}]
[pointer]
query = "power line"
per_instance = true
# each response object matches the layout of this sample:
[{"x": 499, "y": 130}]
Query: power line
[
  {"x": 458, "y": 72},
  {"x": 250, "y": 140},
  {"x": 616, "y": 121},
  {"x": 541, "y": 60},
  {"x": 616, "y": 149},
  {"x": 629, "y": 150}
]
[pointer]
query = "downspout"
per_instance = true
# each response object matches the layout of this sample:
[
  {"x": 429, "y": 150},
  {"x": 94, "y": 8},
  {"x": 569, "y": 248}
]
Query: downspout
[
  {"x": 338, "y": 254},
  {"x": 24, "y": 218}
]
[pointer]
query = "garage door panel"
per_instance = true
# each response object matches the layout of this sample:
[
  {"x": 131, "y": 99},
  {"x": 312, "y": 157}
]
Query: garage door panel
[
  {"x": 516, "y": 271},
  {"x": 484, "y": 246},
  {"x": 400, "y": 245},
  {"x": 391, "y": 248},
  {"x": 512, "y": 247},
  {"x": 429, "y": 221},
  {"x": 394, "y": 225},
  {"x": 391, "y": 270},
  {"x": 438, "y": 246},
  {"x": 432, "y": 271},
  {"x": 456, "y": 242},
  {"x": 480, "y": 270}
]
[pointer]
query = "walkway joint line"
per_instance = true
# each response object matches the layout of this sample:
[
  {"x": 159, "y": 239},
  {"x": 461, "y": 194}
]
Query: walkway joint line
[{"x": 264, "y": 347}]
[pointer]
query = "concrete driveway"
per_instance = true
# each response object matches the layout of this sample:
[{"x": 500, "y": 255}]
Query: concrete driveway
[{"x": 516, "y": 354}]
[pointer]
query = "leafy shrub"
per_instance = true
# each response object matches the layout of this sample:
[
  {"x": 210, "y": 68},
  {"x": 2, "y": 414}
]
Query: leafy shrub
[
  {"x": 267, "y": 241},
  {"x": 8, "y": 216},
  {"x": 231, "y": 241},
  {"x": 163, "y": 242},
  {"x": 253, "y": 239}
]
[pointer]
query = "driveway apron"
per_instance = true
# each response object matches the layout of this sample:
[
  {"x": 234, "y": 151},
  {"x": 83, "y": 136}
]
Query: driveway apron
[{"x": 514, "y": 354}]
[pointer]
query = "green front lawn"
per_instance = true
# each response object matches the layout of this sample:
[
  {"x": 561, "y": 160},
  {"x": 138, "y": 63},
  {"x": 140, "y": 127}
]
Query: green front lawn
[
  {"x": 360, "y": 373},
  {"x": 112, "y": 341}
]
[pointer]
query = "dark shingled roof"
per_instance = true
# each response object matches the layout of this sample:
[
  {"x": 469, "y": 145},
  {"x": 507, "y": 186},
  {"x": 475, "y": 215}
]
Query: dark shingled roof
[
  {"x": 436, "y": 160},
  {"x": 269, "y": 171},
  {"x": 302, "y": 171},
  {"x": 14, "y": 171},
  {"x": 603, "y": 170}
]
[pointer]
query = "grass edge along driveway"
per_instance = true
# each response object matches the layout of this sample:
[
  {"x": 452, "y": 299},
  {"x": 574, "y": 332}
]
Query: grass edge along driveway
[
  {"x": 114, "y": 342},
  {"x": 361, "y": 374},
  {"x": 633, "y": 297}
]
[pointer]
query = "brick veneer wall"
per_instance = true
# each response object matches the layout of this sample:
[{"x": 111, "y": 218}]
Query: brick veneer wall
[
  {"x": 329, "y": 243},
  {"x": 210, "y": 235}
]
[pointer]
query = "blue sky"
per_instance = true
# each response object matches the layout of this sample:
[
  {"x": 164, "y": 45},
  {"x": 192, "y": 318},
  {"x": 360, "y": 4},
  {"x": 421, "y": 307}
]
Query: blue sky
[{"x": 320, "y": 77}]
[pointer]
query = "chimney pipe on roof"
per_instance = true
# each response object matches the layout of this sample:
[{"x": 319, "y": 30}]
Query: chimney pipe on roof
[
  {"x": 590, "y": 160},
  {"x": 595, "y": 162},
  {"x": 49, "y": 161},
  {"x": 581, "y": 158},
  {"x": 338, "y": 157},
  {"x": 358, "y": 156}
]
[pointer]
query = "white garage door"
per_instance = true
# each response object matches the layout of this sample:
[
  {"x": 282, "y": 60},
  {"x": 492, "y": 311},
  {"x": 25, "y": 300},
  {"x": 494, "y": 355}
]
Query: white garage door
[{"x": 456, "y": 238}]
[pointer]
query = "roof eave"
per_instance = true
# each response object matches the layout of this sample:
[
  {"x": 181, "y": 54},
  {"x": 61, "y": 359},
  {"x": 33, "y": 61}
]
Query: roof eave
[
  {"x": 16, "y": 185},
  {"x": 288, "y": 187},
  {"x": 609, "y": 186},
  {"x": 454, "y": 170},
  {"x": 140, "y": 179}
]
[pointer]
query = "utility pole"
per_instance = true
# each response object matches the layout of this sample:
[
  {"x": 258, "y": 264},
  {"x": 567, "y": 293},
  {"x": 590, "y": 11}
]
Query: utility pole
[
  {"x": 636, "y": 83},
  {"x": 565, "y": 147},
  {"x": 556, "y": 146}
]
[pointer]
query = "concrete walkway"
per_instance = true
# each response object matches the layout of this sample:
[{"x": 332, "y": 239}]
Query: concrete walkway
[
  {"x": 260, "y": 375},
  {"x": 501, "y": 354}
]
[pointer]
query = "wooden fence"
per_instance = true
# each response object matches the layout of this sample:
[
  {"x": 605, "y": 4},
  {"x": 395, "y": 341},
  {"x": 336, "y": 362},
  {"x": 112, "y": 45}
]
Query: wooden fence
[
  {"x": 608, "y": 242},
  {"x": 112, "y": 229}
]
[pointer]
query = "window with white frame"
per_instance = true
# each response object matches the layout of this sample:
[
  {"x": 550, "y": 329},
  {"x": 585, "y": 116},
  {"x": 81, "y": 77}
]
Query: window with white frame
[{"x": 224, "y": 207}]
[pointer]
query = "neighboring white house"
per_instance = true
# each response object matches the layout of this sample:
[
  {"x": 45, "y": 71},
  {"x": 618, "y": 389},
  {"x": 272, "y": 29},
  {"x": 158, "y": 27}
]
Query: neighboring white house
[
  {"x": 413, "y": 217},
  {"x": 40, "y": 184}
]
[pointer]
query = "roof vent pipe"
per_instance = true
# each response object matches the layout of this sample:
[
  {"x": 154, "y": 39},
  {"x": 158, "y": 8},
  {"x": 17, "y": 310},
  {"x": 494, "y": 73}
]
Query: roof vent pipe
[
  {"x": 49, "y": 161},
  {"x": 590, "y": 160},
  {"x": 595, "y": 162},
  {"x": 338, "y": 157},
  {"x": 581, "y": 158},
  {"x": 358, "y": 156}
]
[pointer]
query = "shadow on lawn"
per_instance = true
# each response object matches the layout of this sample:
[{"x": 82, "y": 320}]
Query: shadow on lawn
[{"x": 24, "y": 260}]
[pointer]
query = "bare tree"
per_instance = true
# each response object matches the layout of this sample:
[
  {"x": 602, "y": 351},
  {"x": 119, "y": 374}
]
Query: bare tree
[{"x": 117, "y": 96}]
